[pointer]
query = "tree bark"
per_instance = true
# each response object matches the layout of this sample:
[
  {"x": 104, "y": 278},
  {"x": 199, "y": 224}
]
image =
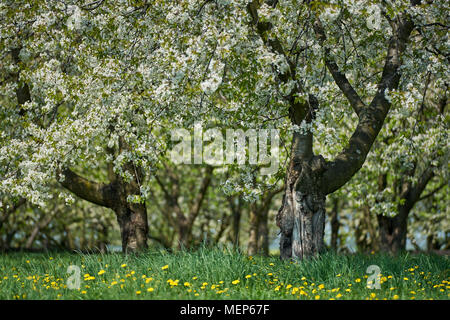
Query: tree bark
[
  {"x": 263, "y": 230},
  {"x": 254, "y": 231},
  {"x": 236, "y": 214},
  {"x": 132, "y": 217},
  {"x": 393, "y": 230},
  {"x": 393, "y": 233},
  {"x": 301, "y": 218},
  {"x": 334, "y": 225}
]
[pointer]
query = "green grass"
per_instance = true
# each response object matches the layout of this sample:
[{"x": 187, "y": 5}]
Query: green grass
[{"x": 331, "y": 276}]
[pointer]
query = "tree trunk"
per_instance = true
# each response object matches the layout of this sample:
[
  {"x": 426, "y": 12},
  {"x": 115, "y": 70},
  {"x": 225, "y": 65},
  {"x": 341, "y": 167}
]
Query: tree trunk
[
  {"x": 132, "y": 219},
  {"x": 236, "y": 214},
  {"x": 184, "y": 235},
  {"x": 253, "y": 237},
  {"x": 302, "y": 215},
  {"x": 334, "y": 225},
  {"x": 263, "y": 237},
  {"x": 366, "y": 236},
  {"x": 393, "y": 230},
  {"x": 103, "y": 238},
  {"x": 236, "y": 228},
  {"x": 69, "y": 241},
  {"x": 393, "y": 233}
]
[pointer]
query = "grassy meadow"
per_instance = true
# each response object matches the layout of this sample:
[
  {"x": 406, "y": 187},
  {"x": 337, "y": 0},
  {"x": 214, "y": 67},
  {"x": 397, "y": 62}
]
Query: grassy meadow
[{"x": 221, "y": 274}]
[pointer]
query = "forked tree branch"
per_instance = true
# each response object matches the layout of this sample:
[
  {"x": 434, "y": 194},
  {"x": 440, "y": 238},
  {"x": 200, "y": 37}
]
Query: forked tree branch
[
  {"x": 339, "y": 77},
  {"x": 371, "y": 118}
]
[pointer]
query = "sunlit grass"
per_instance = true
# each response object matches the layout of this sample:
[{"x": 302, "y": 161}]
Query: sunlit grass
[{"x": 221, "y": 274}]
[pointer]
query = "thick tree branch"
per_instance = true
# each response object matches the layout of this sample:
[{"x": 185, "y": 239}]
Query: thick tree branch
[
  {"x": 371, "y": 119},
  {"x": 339, "y": 77},
  {"x": 431, "y": 193},
  {"x": 270, "y": 194},
  {"x": 419, "y": 187},
  {"x": 298, "y": 111},
  {"x": 94, "y": 192}
]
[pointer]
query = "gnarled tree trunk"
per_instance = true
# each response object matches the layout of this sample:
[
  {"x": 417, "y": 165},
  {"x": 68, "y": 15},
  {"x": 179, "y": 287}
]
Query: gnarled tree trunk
[
  {"x": 132, "y": 217},
  {"x": 393, "y": 230},
  {"x": 302, "y": 216}
]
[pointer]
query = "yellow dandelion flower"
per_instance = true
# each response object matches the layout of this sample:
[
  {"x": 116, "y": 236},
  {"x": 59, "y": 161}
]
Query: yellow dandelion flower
[
  {"x": 235, "y": 282},
  {"x": 165, "y": 267},
  {"x": 101, "y": 272},
  {"x": 150, "y": 289},
  {"x": 248, "y": 276}
]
